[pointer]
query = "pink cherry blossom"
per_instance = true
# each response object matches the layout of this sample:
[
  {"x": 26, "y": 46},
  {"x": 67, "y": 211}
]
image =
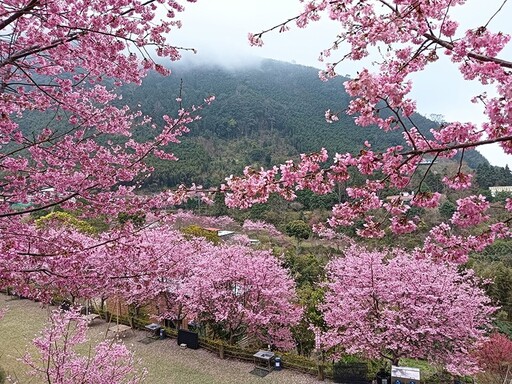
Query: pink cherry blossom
[
  {"x": 411, "y": 37},
  {"x": 470, "y": 211},
  {"x": 244, "y": 292},
  {"x": 58, "y": 361},
  {"x": 392, "y": 305}
]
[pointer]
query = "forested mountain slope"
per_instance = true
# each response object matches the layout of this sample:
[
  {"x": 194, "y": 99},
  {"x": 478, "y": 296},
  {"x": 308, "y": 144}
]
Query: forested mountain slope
[{"x": 263, "y": 114}]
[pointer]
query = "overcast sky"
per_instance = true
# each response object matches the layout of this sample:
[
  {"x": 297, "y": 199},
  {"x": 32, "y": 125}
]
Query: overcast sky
[{"x": 218, "y": 30}]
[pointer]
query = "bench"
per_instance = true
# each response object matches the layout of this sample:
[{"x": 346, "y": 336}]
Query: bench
[{"x": 120, "y": 329}]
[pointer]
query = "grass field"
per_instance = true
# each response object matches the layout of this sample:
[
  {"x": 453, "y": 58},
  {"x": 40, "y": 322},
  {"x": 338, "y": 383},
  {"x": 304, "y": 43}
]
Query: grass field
[{"x": 165, "y": 361}]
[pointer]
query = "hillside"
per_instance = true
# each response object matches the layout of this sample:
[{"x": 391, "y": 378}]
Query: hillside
[{"x": 262, "y": 115}]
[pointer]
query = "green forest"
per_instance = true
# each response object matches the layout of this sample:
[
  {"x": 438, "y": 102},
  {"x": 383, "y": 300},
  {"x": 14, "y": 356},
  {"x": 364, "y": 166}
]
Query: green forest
[{"x": 263, "y": 115}]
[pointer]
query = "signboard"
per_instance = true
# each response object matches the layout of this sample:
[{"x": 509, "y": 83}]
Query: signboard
[{"x": 405, "y": 375}]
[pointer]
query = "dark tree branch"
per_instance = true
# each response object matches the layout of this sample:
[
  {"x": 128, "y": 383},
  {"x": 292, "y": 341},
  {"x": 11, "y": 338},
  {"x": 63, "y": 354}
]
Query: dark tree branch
[
  {"x": 476, "y": 56},
  {"x": 16, "y": 15},
  {"x": 17, "y": 213}
]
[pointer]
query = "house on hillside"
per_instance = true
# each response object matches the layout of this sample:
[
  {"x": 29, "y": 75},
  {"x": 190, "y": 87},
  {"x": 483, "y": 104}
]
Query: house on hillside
[
  {"x": 403, "y": 196},
  {"x": 223, "y": 234},
  {"x": 504, "y": 188}
]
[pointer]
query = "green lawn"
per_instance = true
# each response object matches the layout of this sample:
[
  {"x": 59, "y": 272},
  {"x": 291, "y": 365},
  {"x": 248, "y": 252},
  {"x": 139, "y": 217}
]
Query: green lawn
[{"x": 165, "y": 361}]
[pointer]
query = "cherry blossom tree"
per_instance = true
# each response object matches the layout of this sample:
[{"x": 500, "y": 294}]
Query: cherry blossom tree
[
  {"x": 395, "y": 306},
  {"x": 236, "y": 291},
  {"x": 66, "y": 269},
  {"x": 405, "y": 38},
  {"x": 161, "y": 260},
  {"x": 65, "y": 138},
  {"x": 56, "y": 59},
  {"x": 124, "y": 262},
  {"x": 66, "y": 143},
  {"x": 495, "y": 357},
  {"x": 58, "y": 362},
  {"x": 334, "y": 238},
  {"x": 231, "y": 288}
]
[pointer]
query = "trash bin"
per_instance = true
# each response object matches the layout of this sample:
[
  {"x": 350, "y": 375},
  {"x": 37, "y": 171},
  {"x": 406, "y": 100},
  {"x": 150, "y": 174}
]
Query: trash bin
[
  {"x": 162, "y": 333},
  {"x": 277, "y": 363},
  {"x": 383, "y": 377},
  {"x": 190, "y": 339}
]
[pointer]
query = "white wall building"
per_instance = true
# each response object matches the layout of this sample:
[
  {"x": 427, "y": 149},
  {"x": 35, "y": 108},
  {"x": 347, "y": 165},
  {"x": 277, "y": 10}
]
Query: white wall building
[{"x": 505, "y": 188}]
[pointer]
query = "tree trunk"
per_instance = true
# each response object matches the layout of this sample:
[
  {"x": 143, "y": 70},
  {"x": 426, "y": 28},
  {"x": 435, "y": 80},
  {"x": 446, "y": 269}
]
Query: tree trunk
[
  {"x": 320, "y": 365},
  {"x": 321, "y": 373}
]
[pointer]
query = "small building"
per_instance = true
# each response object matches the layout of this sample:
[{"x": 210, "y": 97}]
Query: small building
[
  {"x": 403, "y": 196},
  {"x": 405, "y": 375},
  {"x": 498, "y": 189},
  {"x": 225, "y": 234}
]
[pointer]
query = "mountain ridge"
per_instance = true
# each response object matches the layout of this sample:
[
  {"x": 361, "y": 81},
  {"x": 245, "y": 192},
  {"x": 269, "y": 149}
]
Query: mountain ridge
[{"x": 263, "y": 114}]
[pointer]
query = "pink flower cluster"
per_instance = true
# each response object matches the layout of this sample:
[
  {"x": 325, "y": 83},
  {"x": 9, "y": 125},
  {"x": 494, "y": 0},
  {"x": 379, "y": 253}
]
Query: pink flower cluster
[
  {"x": 459, "y": 181},
  {"x": 58, "y": 361},
  {"x": 260, "y": 226},
  {"x": 470, "y": 211},
  {"x": 443, "y": 244}
]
